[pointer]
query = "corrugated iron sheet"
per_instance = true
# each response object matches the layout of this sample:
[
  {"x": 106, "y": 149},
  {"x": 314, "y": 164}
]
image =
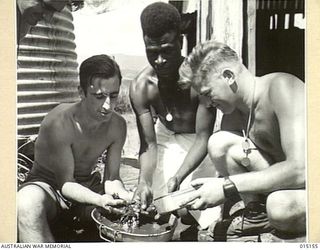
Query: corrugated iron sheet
[
  {"x": 47, "y": 71},
  {"x": 282, "y": 5}
]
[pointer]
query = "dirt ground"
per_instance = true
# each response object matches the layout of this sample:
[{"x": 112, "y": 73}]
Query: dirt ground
[{"x": 132, "y": 144}]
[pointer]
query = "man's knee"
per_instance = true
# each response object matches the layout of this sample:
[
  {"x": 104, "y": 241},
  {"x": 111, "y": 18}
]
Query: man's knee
[
  {"x": 224, "y": 150},
  {"x": 219, "y": 144},
  {"x": 33, "y": 204},
  {"x": 286, "y": 211}
]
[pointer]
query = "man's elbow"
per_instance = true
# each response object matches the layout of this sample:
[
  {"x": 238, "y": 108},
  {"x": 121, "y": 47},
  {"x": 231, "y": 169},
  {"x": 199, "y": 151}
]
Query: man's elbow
[
  {"x": 66, "y": 189},
  {"x": 66, "y": 184}
]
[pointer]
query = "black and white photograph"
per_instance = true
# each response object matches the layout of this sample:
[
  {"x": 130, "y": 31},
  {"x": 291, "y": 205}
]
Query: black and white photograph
[{"x": 161, "y": 121}]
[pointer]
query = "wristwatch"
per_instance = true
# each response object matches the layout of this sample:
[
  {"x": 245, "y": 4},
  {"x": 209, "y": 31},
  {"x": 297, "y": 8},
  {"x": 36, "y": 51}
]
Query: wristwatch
[{"x": 229, "y": 189}]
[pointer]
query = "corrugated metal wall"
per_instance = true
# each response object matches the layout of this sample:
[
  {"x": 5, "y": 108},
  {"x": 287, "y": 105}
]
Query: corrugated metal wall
[
  {"x": 47, "y": 71},
  {"x": 280, "y": 36},
  {"x": 284, "y": 5}
]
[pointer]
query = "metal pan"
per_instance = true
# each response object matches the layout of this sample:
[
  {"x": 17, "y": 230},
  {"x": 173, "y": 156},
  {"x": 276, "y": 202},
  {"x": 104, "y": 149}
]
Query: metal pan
[{"x": 154, "y": 232}]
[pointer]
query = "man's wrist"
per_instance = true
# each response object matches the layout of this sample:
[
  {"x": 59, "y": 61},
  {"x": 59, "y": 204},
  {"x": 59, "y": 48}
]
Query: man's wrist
[
  {"x": 179, "y": 178},
  {"x": 145, "y": 182},
  {"x": 229, "y": 189},
  {"x": 98, "y": 200}
]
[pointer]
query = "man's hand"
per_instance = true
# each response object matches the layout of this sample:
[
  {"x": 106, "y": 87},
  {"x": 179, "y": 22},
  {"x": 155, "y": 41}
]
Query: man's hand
[
  {"x": 117, "y": 188},
  {"x": 107, "y": 200},
  {"x": 143, "y": 195},
  {"x": 210, "y": 194},
  {"x": 173, "y": 184}
]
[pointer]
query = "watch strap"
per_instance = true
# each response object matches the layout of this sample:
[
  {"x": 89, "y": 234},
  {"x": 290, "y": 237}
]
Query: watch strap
[{"x": 229, "y": 189}]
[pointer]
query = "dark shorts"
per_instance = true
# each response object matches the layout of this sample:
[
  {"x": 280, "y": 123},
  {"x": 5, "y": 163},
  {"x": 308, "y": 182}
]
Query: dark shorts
[
  {"x": 62, "y": 202},
  {"x": 45, "y": 179}
]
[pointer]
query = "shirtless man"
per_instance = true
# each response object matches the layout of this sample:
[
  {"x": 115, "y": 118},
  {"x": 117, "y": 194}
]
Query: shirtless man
[
  {"x": 71, "y": 138},
  {"x": 261, "y": 150},
  {"x": 30, "y": 12},
  {"x": 174, "y": 147}
]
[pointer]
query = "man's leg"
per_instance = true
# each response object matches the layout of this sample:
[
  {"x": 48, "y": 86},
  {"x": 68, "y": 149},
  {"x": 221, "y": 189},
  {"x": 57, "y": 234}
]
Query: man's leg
[
  {"x": 286, "y": 211},
  {"x": 226, "y": 152},
  {"x": 35, "y": 209}
]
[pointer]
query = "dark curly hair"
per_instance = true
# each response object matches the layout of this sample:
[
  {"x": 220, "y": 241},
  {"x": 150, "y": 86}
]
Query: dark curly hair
[
  {"x": 98, "y": 66},
  {"x": 159, "y": 18}
]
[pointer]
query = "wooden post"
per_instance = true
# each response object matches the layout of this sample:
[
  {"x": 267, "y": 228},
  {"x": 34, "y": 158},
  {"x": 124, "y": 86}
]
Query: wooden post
[
  {"x": 221, "y": 20},
  {"x": 227, "y": 23},
  {"x": 251, "y": 36}
]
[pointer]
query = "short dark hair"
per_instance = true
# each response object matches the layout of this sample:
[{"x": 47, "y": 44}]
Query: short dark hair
[
  {"x": 159, "y": 18},
  {"x": 98, "y": 66}
]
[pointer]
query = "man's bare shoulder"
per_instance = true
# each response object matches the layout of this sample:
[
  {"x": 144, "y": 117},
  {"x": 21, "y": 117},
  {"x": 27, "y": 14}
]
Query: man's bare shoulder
[
  {"x": 282, "y": 80},
  {"x": 145, "y": 82},
  {"x": 117, "y": 127},
  {"x": 118, "y": 121},
  {"x": 283, "y": 84},
  {"x": 144, "y": 76},
  {"x": 57, "y": 121},
  {"x": 284, "y": 90}
]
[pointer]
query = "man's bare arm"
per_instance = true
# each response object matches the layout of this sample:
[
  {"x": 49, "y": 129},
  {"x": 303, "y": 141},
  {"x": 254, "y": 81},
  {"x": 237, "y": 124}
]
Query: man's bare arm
[
  {"x": 148, "y": 148},
  {"x": 204, "y": 127},
  {"x": 148, "y": 144},
  {"x": 112, "y": 181},
  {"x": 119, "y": 132}
]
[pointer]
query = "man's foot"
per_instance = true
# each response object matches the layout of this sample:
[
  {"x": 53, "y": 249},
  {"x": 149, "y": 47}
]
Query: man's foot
[{"x": 250, "y": 221}]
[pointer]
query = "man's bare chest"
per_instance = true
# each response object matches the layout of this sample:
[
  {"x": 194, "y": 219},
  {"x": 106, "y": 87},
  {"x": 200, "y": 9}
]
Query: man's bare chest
[
  {"x": 180, "y": 108},
  {"x": 175, "y": 99},
  {"x": 87, "y": 147},
  {"x": 265, "y": 133}
]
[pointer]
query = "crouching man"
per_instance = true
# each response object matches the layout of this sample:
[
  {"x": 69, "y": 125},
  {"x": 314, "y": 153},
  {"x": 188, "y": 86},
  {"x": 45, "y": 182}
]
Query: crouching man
[
  {"x": 261, "y": 148},
  {"x": 71, "y": 139}
]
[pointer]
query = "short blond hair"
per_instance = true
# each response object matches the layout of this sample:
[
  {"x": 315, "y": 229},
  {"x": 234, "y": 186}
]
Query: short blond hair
[{"x": 203, "y": 59}]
